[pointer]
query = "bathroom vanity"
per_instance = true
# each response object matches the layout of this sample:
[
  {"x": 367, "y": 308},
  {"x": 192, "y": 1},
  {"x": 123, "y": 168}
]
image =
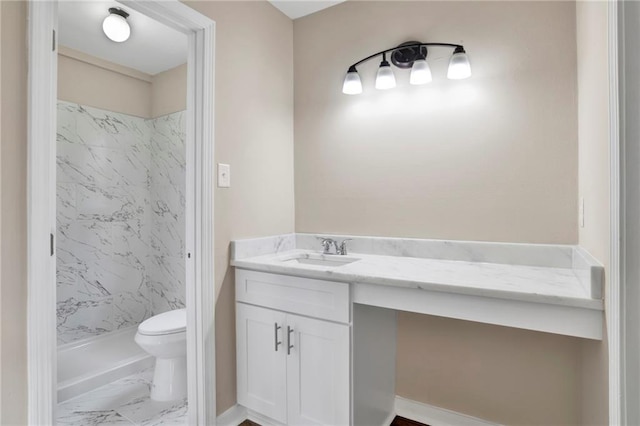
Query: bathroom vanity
[{"x": 316, "y": 333}]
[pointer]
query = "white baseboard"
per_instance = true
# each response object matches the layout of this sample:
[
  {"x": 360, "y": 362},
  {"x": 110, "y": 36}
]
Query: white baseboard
[
  {"x": 261, "y": 420},
  {"x": 233, "y": 416},
  {"x": 390, "y": 418},
  {"x": 412, "y": 410},
  {"x": 238, "y": 414},
  {"x": 435, "y": 416}
]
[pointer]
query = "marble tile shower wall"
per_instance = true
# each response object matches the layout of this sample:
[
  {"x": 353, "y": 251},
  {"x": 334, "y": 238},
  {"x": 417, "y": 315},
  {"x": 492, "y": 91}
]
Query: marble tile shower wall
[
  {"x": 120, "y": 219},
  {"x": 165, "y": 262}
]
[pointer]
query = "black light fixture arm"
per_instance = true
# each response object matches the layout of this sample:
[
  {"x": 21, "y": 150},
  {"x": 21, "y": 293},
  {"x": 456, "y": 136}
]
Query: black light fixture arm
[{"x": 457, "y": 47}]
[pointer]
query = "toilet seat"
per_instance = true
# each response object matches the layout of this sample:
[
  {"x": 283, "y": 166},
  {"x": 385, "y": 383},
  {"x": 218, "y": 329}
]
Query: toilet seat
[{"x": 171, "y": 322}]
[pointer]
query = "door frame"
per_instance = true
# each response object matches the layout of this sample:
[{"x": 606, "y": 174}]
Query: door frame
[
  {"x": 41, "y": 206},
  {"x": 624, "y": 295},
  {"x": 613, "y": 299}
]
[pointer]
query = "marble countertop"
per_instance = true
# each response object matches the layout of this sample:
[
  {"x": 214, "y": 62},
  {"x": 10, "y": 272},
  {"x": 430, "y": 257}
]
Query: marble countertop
[{"x": 538, "y": 284}]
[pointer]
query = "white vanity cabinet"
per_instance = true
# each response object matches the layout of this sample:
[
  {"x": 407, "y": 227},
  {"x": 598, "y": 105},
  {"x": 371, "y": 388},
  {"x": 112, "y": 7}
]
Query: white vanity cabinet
[
  {"x": 262, "y": 368},
  {"x": 343, "y": 310},
  {"x": 293, "y": 348}
]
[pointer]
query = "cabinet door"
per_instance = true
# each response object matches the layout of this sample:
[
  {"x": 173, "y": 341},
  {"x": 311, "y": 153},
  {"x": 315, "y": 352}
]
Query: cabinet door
[
  {"x": 261, "y": 364},
  {"x": 318, "y": 378}
]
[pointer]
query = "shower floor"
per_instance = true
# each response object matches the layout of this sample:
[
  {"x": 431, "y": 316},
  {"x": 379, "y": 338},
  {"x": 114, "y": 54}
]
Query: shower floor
[{"x": 123, "y": 402}]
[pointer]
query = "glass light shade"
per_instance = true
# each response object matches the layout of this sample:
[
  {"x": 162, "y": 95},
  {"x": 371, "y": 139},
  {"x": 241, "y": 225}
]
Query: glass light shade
[
  {"x": 420, "y": 72},
  {"x": 116, "y": 28},
  {"x": 459, "y": 66},
  {"x": 352, "y": 84},
  {"x": 385, "y": 78}
]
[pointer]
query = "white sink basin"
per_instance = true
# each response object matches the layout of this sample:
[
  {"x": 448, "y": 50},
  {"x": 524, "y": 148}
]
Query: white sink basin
[{"x": 327, "y": 260}]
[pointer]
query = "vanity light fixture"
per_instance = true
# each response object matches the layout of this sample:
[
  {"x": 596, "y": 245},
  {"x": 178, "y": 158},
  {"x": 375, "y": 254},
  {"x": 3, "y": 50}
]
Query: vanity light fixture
[
  {"x": 352, "y": 84},
  {"x": 385, "y": 78},
  {"x": 115, "y": 26},
  {"x": 420, "y": 72},
  {"x": 412, "y": 54},
  {"x": 459, "y": 66}
]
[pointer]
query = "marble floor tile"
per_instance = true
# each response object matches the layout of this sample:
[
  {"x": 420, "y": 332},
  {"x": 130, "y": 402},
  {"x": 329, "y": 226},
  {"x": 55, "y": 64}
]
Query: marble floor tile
[
  {"x": 123, "y": 402},
  {"x": 176, "y": 416},
  {"x": 90, "y": 418},
  {"x": 144, "y": 411}
]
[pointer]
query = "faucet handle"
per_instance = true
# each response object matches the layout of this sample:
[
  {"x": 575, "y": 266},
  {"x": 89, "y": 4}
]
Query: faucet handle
[
  {"x": 326, "y": 245},
  {"x": 343, "y": 246}
]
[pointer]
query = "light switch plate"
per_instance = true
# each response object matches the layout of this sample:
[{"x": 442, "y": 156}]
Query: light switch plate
[{"x": 224, "y": 175}]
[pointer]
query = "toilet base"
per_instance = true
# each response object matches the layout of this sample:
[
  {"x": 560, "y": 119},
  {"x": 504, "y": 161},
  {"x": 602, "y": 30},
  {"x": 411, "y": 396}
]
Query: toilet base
[{"x": 169, "y": 379}]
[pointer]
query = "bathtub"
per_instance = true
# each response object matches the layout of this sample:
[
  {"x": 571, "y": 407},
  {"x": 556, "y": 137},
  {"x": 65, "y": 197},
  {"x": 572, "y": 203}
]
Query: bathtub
[{"x": 93, "y": 362}]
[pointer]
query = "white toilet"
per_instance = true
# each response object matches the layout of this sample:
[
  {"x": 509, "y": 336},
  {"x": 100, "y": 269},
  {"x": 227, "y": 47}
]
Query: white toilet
[{"x": 165, "y": 337}]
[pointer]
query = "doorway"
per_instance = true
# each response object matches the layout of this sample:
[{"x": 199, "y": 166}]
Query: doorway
[{"x": 198, "y": 208}]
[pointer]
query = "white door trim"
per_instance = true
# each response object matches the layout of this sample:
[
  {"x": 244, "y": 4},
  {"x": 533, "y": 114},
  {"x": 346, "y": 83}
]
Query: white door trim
[
  {"x": 613, "y": 300},
  {"x": 41, "y": 328},
  {"x": 41, "y": 216},
  {"x": 624, "y": 306}
]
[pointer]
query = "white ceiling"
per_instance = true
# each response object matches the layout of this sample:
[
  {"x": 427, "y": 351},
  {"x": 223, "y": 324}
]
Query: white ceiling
[
  {"x": 152, "y": 47},
  {"x": 298, "y": 8}
]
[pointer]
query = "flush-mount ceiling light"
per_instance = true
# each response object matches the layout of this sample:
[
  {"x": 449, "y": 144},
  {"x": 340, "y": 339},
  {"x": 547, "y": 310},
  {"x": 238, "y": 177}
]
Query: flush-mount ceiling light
[
  {"x": 412, "y": 54},
  {"x": 115, "y": 26}
]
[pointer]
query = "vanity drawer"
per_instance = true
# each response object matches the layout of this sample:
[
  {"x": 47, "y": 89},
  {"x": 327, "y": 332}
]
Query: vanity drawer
[{"x": 315, "y": 298}]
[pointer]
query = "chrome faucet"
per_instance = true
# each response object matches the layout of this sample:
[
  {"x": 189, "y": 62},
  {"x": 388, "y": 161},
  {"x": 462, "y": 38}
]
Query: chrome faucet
[{"x": 341, "y": 249}]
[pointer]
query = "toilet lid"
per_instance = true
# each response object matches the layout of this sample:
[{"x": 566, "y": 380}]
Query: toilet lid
[{"x": 169, "y": 322}]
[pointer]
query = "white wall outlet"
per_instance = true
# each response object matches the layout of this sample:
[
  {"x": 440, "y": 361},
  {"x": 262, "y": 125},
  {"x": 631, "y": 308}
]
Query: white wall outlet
[
  {"x": 224, "y": 175},
  {"x": 581, "y": 213}
]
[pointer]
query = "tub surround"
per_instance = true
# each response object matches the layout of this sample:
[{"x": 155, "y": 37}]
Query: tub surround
[
  {"x": 165, "y": 263},
  {"x": 120, "y": 219},
  {"x": 552, "y": 288},
  {"x": 101, "y": 197}
]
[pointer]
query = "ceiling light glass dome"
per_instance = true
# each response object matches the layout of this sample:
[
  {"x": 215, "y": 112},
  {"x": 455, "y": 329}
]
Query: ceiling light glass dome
[{"x": 115, "y": 26}]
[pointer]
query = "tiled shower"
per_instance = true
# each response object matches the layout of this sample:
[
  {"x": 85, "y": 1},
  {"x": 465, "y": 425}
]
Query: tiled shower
[{"x": 120, "y": 219}]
